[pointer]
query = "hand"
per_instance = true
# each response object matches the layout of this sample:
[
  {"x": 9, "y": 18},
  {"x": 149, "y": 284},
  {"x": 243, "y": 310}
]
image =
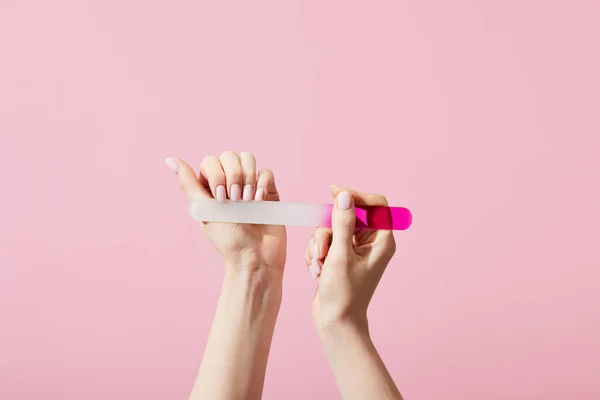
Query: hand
[
  {"x": 349, "y": 261},
  {"x": 234, "y": 176}
]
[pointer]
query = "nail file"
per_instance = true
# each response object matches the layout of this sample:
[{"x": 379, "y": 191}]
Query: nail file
[{"x": 295, "y": 214}]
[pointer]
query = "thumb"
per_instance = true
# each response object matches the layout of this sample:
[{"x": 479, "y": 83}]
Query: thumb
[
  {"x": 187, "y": 179},
  {"x": 343, "y": 220}
]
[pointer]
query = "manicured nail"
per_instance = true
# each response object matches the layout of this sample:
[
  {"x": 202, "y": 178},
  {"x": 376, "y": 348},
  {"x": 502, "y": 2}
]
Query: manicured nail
[
  {"x": 172, "y": 165},
  {"x": 315, "y": 268},
  {"x": 247, "y": 193},
  {"x": 234, "y": 192},
  {"x": 220, "y": 193},
  {"x": 316, "y": 253},
  {"x": 260, "y": 194},
  {"x": 343, "y": 200}
]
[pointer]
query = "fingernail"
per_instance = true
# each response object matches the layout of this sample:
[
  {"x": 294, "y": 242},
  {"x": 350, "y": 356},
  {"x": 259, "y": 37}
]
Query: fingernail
[
  {"x": 220, "y": 193},
  {"x": 247, "y": 193},
  {"x": 235, "y": 192},
  {"x": 343, "y": 200},
  {"x": 260, "y": 194},
  {"x": 316, "y": 253},
  {"x": 315, "y": 269},
  {"x": 172, "y": 165}
]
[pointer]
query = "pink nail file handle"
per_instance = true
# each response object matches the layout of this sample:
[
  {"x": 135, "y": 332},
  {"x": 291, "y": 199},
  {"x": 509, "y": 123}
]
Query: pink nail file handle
[{"x": 295, "y": 214}]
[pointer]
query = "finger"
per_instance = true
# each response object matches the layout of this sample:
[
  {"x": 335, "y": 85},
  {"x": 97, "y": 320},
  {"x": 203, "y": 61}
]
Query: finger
[
  {"x": 213, "y": 176},
  {"x": 343, "y": 220},
  {"x": 232, "y": 166},
  {"x": 265, "y": 186},
  {"x": 187, "y": 179},
  {"x": 310, "y": 249},
  {"x": 317, "y": 251},
  {"x": 315, "y": 268},
  {"x": 360, "y": 198},
  {"x": 249, "y": 175},
  {"x": 368, "y": 199},
  {"x": 308, "y": 253},
  {"x": 321, "y": 242},
  {"x": 315, "y": 265}
]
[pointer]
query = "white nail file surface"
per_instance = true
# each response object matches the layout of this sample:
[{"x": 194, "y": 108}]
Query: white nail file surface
[
  {"x": 257, "y": 212},
  {"x": 295, "y": 214}
]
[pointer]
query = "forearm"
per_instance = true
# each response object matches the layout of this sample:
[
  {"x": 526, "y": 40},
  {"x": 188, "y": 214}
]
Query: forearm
[
  {"x": 235, "y": 358},
  {"x": 357, "y": 367}
]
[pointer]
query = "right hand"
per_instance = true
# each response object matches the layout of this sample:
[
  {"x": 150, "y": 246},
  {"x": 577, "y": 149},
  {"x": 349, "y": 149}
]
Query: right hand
[{"x": 350, "y": 262}]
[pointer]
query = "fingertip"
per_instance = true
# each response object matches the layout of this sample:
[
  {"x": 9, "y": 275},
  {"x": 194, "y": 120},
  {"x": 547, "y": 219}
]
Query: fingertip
[
  {"x": 315, "y": 268},
  {"x": 172, "y": 164},
  {"x": 266, "y": 181},
  {"x": 187, "y": 178},
  {"x": 316, "y": 250},
  {"x": 344, "y": 200},
  {"x": 260, "y": 194}
]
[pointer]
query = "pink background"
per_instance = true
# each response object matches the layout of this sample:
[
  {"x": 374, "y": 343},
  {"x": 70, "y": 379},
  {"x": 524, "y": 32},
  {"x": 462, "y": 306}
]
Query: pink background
[{"x": 481, "y": 116}]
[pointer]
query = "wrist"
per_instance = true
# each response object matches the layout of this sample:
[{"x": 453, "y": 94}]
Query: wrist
[
  {"x": 338, "y": 330},
  {"x": 256, "y": 286},
  {"x": 251, "y": 262},
  {"x": 252, "y": 270},
  {"x": 340, "y": 338}
]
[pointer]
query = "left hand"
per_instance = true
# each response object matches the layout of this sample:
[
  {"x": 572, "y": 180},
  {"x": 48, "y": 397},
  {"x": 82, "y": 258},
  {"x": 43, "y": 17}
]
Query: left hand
[{"x": 233, "y": 176}]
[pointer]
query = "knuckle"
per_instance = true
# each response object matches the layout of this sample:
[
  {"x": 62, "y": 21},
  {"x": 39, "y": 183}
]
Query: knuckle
[
  {"x": 234, "y": 177},
  {"x": 323, "y": 236},
  {"x": 322, "y": 231},
  {"x": 266, "y": 172},
  {"x": 389, "y": 243},
  {"x": 249, "y": 174},
  {"x": 209, "y": 159},
  {"x": 347, "y": 223},
  {"x": 247, "y": 155},
  {"x": 338, "y": 257},
  {"x": 249, "y": 180},
  {"x": 381, "y": 199},
  {"x": 228, "y": 154},
  {"x": 393, "y": 246}
]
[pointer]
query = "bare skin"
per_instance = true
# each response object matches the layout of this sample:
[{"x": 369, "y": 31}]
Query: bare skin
[{"x": 348, "y": 263}]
